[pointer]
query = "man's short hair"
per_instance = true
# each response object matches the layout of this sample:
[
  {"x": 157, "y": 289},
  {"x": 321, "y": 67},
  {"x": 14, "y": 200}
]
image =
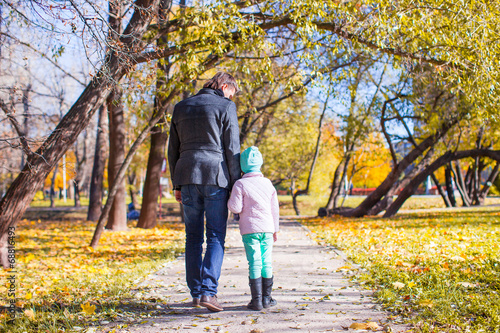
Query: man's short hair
[{"x": 220, "y": 79}]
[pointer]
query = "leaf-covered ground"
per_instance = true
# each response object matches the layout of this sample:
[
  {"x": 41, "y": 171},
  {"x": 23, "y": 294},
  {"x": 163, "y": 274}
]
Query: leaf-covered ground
[
  {"x": 309, "y": 204},
  {"x": 440, "y": 270},
  {"x": 63, "y": 284}
]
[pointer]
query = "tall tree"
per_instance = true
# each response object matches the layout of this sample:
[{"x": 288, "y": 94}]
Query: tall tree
[
  {"x": 159, "y": 134},
  {"x": 96, "y": 182},
  {"x": 117, "y": 131}
]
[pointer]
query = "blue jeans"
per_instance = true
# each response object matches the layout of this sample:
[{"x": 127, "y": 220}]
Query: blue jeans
[{"x": 202, "y": 273}]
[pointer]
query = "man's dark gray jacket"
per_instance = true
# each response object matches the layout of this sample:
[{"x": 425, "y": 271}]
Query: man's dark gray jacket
[{"x": 204, "y": 143}]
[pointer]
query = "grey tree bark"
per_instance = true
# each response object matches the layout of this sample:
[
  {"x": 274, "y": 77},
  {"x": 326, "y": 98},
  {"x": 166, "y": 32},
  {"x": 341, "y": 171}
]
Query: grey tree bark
[
  {"x": 96, "y": 190},
  {"x": 118, "y": 215},
  {"x": 159, "y": 137}
]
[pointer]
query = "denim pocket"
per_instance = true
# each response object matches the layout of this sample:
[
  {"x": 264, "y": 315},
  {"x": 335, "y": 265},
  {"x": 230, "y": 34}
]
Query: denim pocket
[
  {"x": 186, "y": 196},
  {"x": 214, "y": 192}
]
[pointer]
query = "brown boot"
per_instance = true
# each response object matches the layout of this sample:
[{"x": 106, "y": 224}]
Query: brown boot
[
  {"x": 211, "y": 303},
  {"x": 196, "y": 302}
]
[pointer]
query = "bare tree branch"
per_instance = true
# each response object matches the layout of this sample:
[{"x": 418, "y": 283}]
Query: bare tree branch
[
  {"x": 22, "y": 136},
  {"x": 44, "y": 56}
]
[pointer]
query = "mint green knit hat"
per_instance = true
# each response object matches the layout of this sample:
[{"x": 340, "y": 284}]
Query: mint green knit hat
[{"x": 251, "y": 160}]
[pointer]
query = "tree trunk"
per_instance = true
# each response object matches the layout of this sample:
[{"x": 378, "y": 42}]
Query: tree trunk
[
  {"x": 77, "y": 194},
  {"x": 294, "y": 203},
  {"x": 486, "y": 187},
  {"x": 52, "y": 193},
  {"x": 449, "y": 186},
  {"x": 95, "y": 195},
  {"x": 441, "y": 191},
  {"x": 341, "y": 186},
  {"x": 315, "y": 157},
  {"x": 381, "y": 205},
  {"x": 159, "y": 137},
  {"x": 132, "y": 177},
  {"x": 26, "y": 107},
  {"x": 409, "y": 190},
  {"x": 81, "y": 172},
  {"x": 149, "y": 210},
  {"x": 462, "y": 188},
  {"x": 399, "y": 185},
  {"x": 118, "y": 215},
  {"x": 335, "y": 186}
]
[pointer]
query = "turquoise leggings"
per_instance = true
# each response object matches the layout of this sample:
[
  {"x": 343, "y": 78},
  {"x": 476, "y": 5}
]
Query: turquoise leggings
[{"x": 259, "y": 249}]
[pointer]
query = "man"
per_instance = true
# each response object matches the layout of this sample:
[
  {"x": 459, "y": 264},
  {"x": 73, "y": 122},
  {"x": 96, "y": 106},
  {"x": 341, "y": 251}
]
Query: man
[{"x": 204, "y": 154}]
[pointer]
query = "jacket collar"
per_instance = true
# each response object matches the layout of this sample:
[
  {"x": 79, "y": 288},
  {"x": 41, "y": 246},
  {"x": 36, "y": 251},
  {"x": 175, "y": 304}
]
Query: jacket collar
[
  {"x": 210, "y": 91},
  {"x": 253, "y": 174}
]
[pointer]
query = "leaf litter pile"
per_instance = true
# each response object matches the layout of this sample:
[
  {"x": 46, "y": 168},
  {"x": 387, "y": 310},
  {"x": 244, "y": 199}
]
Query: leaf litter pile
[
  {"x": 440, "y": 271},
  {"x": 62, "y": 284}
]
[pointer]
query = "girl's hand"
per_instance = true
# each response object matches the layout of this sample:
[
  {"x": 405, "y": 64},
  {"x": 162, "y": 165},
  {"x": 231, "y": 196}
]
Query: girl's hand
[{"x": 275, "y": 236}]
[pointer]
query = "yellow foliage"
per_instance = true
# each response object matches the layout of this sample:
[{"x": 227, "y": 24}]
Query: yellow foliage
[
  {"x": 371, "y": 162},
  {"x": 67, "y": 272},
  {"x": 443, "y": 266}
]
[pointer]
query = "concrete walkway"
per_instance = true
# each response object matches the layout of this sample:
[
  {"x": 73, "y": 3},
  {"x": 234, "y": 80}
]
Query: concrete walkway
[{"x": 311, "y": 287}]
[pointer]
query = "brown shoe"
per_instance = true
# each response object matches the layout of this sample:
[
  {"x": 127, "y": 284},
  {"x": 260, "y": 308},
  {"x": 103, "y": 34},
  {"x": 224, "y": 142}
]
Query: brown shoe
[
  {"x": 211, "y": 303},
  {"x": 196, "y": 302}
]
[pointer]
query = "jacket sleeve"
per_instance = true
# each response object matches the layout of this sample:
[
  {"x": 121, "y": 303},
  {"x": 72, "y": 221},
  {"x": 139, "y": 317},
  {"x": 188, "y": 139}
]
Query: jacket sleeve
[
  {"x": 235, "y": 202},
  {"x": 231, "y": 136},
  {"x": 173, "y": 151},
  {"x": 275, "y": 209}
]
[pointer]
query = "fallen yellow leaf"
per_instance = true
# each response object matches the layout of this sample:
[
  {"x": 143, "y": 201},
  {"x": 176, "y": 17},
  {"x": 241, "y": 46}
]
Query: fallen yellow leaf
[
  {"x": 426, "y": 302},
  {"x": 88, "y": 308},
  {"x": 28, "y": 258},
  {"x": 372, "y": 325},
  {"x": 365, "y": 326}
]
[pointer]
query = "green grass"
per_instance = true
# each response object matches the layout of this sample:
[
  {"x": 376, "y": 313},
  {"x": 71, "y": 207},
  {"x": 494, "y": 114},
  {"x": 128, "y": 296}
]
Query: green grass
[{"x": 441, "y": 270}]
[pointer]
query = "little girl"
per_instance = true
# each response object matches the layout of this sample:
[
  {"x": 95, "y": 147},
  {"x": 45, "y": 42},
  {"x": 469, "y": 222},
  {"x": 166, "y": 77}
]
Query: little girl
[{"x": 254, "y": 198}]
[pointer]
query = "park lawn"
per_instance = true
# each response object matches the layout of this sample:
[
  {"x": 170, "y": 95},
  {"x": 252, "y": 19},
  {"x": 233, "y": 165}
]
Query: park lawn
[
  {"x": 440, "y": 271},
  {"x": 309, "y": 204},
  {"x": 60, "y": 279},
  {"x": 39, "y": 202}
]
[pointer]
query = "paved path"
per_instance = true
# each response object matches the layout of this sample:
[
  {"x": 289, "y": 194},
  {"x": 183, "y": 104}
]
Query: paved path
[{"x": 311, "y": 287}]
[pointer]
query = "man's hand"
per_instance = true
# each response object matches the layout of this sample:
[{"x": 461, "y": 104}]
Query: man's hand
[
  {"x": 275, "y": 236},
  {"x": 178, "y": 196}
]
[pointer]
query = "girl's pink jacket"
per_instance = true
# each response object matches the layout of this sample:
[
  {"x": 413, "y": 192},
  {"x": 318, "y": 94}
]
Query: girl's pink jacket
[{"x": 255, "y": 199}]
